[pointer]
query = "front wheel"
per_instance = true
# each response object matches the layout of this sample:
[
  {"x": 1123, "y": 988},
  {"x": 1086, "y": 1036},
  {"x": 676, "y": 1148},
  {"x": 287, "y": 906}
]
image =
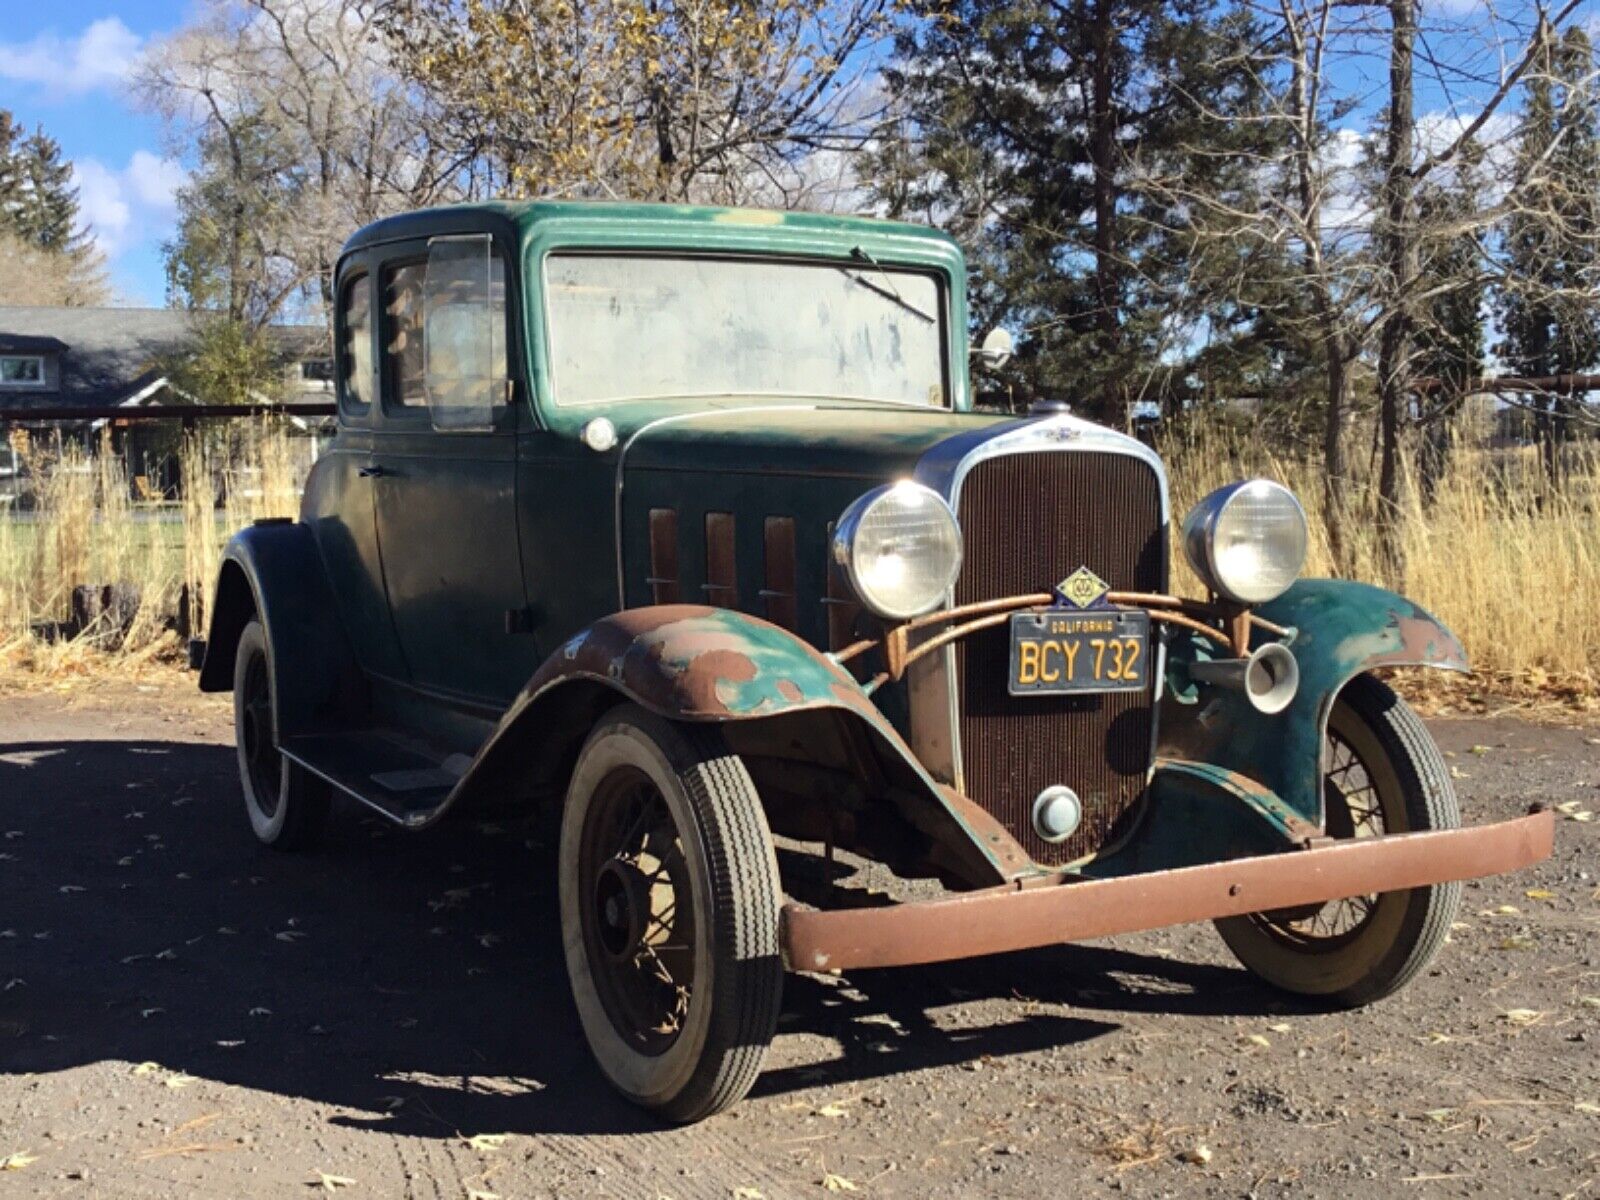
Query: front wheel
[
  {"x": 286, "y": 804},
  {"x": 1382, "y": 775},
  {"x": 669, "y": 909}
]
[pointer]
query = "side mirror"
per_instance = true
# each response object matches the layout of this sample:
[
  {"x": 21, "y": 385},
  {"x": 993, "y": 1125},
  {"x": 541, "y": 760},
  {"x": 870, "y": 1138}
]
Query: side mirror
[{"x": 996, "y": 349}]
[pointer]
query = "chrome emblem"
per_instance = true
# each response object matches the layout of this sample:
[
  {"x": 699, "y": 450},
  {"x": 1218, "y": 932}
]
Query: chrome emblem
[{"x": 1082, "y": 589}]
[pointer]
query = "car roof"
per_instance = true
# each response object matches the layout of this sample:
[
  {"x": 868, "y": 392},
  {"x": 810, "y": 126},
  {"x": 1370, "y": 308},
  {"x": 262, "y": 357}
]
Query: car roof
[{"x": 520, "y": 218}]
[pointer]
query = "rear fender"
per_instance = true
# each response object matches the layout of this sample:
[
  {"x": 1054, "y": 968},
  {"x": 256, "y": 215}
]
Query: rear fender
[
  {"x": 273, "y": 572},
  {"x": 713, "y": 665},
  {"x": 1336, "y": 630}
]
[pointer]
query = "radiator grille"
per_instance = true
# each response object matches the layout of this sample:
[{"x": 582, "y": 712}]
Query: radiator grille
[{"x": 1029, "y": 520}]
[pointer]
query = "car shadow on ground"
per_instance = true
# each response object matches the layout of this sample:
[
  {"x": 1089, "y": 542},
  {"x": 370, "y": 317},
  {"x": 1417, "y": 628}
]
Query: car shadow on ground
[{"x": 414, "y": 981}]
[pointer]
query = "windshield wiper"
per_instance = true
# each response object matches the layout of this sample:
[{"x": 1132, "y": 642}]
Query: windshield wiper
[{"x": 888, "y": 291}]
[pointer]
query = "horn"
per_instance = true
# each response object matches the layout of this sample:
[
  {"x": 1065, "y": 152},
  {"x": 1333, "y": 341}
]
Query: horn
[{"x": 1269, "y": 678}]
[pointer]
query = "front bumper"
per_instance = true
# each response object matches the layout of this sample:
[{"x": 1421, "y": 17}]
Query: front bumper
[{"x": 1047, "y": 910}]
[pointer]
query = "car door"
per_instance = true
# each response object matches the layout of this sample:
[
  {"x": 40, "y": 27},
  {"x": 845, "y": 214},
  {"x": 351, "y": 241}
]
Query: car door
[
  {"x": 339, "y": 504},
  {"x": 444, "y": 469}
]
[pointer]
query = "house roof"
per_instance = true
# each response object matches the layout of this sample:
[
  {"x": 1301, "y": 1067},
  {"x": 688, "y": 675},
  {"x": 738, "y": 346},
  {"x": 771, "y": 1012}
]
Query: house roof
[{"x": 110, "y": 355}]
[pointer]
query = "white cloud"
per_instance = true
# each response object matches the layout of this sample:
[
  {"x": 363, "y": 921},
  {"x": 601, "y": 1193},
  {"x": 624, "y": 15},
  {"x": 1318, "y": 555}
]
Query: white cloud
[
  {"x": 154, "y": 180},
  {"x": 129, "y": 205},
  {"x": 99, "y": 57}
]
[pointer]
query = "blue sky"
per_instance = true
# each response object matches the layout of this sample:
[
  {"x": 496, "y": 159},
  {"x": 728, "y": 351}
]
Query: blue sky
[{"x": 63, "y": 65}]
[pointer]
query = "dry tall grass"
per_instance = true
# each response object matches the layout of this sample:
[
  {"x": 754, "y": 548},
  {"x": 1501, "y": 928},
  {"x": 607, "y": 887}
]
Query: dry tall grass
[
  {"x": 82, "y": 528},
  {"x": 1509, "y": 563}
]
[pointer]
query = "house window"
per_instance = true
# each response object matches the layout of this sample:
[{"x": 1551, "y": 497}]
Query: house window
[{"x": 21, "y": 370}]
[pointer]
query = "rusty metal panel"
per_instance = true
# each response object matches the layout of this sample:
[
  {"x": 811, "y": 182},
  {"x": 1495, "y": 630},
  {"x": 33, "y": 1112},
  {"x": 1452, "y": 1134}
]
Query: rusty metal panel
[
  {"x": 1028, "y": 521},
  {"x": 664, "y": 588},
  {"x": 781, "y": 570},
  {"x": 722, "y": 578},
  {"x": 1018, "y": 917}
]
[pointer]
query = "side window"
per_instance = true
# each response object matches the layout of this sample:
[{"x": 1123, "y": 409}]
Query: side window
[
  {"x": 355, "y": 344},
  {"x": 402, "y": 335},
  {"x": 444, "y": 333}
]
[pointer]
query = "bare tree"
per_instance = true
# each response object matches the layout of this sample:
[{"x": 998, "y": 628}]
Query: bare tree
[
  {"x": 1343, "y": 195},
  {"x": 665, "y": 99},
  {"x": 341, "y": 138}
]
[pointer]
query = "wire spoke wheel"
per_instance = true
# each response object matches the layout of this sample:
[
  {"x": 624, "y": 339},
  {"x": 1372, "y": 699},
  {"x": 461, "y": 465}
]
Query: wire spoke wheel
[
  {"x": 1353, "y": 808},
  {"x": 669, "y": 908},
  {"x": 1382, "y": 775},
  {"x": 286, "y": 804},
  {"x": 638, "y": 927},
  {"x": 257, "y": 742}
]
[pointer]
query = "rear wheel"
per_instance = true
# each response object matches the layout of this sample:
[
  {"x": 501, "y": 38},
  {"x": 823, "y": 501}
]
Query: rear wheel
[
  {"x": 669, "y": 909},
  {"x": 1383, "y": 775},
  {"x": 286, "y": 804}
]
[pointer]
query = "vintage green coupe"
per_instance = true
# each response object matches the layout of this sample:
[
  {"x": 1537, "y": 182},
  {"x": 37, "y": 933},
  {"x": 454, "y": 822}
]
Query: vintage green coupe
[{"x": 677, "y": 523}]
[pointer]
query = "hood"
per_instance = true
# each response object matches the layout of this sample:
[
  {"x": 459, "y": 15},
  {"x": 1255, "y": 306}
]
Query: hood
[{"x": 810, "y": 439}]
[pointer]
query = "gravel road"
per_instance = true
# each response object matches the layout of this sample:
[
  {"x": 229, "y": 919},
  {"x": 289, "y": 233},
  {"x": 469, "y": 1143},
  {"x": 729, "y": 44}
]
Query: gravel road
[{"x": 183, "y": 1013}]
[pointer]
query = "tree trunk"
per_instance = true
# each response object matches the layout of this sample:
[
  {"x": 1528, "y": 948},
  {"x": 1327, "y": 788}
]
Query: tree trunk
[
  {"x": 1333, "y": 450},
  {"x": 1110, "y": 406},
  {"x": 1400, "y": 252}
]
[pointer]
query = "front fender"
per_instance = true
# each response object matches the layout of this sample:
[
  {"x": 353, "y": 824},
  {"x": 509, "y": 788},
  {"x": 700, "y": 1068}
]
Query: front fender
[
  {"x": 273, "y": 572},
  {"x": 695, "y": 663},
  {"x": 1337, "y": 630}
]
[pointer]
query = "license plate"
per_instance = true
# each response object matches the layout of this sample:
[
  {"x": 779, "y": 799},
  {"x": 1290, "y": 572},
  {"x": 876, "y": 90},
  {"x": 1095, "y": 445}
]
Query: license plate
[{"x": 1065, "y": 652}]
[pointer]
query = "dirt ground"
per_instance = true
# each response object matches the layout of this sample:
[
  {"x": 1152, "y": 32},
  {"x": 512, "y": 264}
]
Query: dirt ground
[{"x": 182, "y": 1013}]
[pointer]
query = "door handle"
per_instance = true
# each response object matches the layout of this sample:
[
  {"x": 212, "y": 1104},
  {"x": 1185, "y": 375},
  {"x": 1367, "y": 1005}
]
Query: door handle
[{"x": 372, "y": 472}]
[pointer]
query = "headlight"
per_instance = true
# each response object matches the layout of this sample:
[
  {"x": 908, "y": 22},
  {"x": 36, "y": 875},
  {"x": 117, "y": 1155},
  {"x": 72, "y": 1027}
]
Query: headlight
[
  {"x": 900, "y": 547},
  {"x": 1247, "y": 541}
]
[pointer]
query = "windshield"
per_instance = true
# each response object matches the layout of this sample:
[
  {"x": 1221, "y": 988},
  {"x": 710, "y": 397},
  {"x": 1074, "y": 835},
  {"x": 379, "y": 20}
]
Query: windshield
[{"x": 656, "y": 326}]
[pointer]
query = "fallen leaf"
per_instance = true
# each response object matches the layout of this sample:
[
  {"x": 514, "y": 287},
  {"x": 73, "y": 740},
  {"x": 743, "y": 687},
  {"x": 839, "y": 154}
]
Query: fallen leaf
[
  {"x": 260, "y": 1012},
  {"x": 70, "y": 887},
  {"x": 1581, "y": 815},
  {"x": 332, "y": 1183},
  {"x": 1457, "y": 773},
  {"x": 1523, "y": 1017},
  {"x": 475, "y": 1194},
  {"x": 486, "y": 1141},
  {"x": 15, "y": 1162},
  {"x": 831, "y": 1110},
  {"x": 747, "y": 1193},
  {"x": 1589, "y": 1001},
  {"x": 1584, "y": 1106},
  {"x": 147, "y": 1068},
  {"x": 1257, "y": 1040},
  {"x": 1517, "y": 943},
  {"x": 1539, "y": 894},
  {"x": 1439, "y": 1115},
  {"x": 1568, "y": 806},
  {"x": 1480, "y": 750},
  {"x": 836, "y": 1183},
  {"x": 1281, "y": 1027},
  {"x": 1199, "y": 1156},
  {"x": 1435, "y": 1038},
  {"x": 180, "y": 1080},
  {"x": 150, "y": 1012},
  {"x": 288, "y": 935}
]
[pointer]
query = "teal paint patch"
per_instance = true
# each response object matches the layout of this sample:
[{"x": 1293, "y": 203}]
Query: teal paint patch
[
  {"x": 696, "y": 663},
  {"x": 1338, "y": 629}
]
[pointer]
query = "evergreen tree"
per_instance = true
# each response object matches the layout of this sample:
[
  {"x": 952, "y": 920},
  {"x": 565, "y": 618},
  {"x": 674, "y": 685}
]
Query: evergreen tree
[
  {"x": 1055, "y": 141},
  {"x": 45, "y": 248},
  {"x": 1546, "y": 301}
]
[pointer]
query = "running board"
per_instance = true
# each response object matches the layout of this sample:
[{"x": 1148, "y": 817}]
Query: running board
[{"x": 394, "y": 774}]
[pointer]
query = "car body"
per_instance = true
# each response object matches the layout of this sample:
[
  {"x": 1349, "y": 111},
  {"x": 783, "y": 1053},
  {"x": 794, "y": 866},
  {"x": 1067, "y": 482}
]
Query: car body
[{"x": 673, "y": 489}]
